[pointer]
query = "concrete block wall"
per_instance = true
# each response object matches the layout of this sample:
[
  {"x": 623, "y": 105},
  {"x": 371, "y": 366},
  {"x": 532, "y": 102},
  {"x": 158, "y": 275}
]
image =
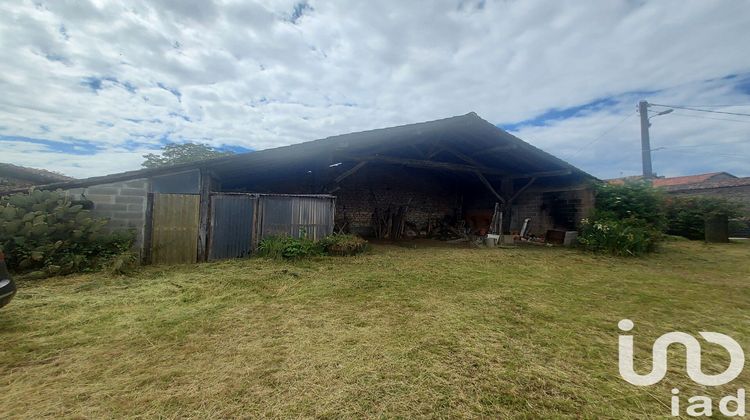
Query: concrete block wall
[{"x": 123, "y": 203}]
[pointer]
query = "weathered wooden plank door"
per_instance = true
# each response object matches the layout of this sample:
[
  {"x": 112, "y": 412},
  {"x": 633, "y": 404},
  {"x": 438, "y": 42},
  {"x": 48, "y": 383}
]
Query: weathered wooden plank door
[{"x": 175, "y": 223}]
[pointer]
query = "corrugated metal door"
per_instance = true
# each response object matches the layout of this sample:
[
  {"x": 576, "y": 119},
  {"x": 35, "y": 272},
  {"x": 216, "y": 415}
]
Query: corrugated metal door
[
  {"x": 174, "y": 235},
  {"x": 231, "y": 226},
  {"x": 296, "y": 216}
]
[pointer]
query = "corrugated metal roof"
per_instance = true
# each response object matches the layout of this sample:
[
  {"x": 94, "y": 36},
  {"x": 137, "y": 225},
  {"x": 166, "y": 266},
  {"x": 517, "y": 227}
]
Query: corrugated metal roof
[{"x": 468, "y": 134}]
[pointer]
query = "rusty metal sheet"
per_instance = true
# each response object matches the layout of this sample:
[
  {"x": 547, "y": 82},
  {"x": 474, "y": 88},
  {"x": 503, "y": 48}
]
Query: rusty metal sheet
[{"x": 296, "y": 216}]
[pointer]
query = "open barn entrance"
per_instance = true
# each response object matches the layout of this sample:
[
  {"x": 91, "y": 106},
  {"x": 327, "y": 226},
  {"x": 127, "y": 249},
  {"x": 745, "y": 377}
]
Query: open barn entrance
[{"x": 443, "y": 179}]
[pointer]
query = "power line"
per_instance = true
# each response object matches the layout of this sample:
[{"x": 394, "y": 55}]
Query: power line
[
  {"x": 693, "y": 152},
  {"x": 600, "y": 136},
  {"x": 709, "y": 118},
  {"x": 725, "y": 143},
  {"x": 701, "y": 110},
  {"x": 716, "y": 106}
]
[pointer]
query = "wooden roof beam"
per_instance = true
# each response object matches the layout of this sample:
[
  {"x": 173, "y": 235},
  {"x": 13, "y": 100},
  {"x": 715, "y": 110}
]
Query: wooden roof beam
[
  {"x": 490, "y": 187},
  {"x": 458, "y": 167}
]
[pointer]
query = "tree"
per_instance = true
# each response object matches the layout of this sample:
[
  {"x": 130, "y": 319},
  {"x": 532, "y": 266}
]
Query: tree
[{"x": 174, "y": 153}]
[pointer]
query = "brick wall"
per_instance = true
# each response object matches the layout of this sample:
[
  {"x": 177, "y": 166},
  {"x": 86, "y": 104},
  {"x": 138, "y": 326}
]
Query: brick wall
[
  {"x": 123, "y": 203},
  {"x": 551, "y": 210},
  {"x": 384, "y": 187}
]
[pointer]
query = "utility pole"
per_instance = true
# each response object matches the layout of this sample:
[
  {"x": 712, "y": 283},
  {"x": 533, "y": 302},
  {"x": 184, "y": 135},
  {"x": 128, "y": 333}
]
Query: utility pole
[{"x": 648, "y": 172}]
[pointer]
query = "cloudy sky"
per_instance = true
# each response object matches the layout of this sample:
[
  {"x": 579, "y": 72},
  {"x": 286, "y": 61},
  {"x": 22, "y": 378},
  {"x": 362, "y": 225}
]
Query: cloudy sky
[{"x": 86, "y": 88}]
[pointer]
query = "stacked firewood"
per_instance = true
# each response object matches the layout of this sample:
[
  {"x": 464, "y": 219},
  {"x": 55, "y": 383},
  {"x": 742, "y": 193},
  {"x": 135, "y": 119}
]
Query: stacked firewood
[{"x": 390, "y": 223}]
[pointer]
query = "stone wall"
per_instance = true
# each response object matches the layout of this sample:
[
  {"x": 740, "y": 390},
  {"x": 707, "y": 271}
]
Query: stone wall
[{"x": 123, "y": 203}]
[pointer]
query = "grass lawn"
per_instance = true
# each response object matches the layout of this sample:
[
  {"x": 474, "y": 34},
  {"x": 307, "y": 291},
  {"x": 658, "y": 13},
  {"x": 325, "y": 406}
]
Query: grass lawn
[{"x": 527, "y": 332}]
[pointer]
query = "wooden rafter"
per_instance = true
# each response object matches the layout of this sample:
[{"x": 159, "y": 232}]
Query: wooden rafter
[
  {"x": 500, "y": 148},
  {"x": 522, "y": 189},
  {"x": 462, "y": 156},
  {"x": 350, "y": 172},
  {"x": 490, "y": 187},
  {"x": 458, "y": 167}
]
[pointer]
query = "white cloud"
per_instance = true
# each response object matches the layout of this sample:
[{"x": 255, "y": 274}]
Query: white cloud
[{"x": 246, "y": 75}]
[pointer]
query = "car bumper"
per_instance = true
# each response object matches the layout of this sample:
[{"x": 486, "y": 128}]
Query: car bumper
[{"x": 7, "y": 291}]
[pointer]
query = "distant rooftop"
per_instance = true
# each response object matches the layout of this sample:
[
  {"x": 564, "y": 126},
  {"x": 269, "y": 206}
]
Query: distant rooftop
[{"x": 677, "y": 180}]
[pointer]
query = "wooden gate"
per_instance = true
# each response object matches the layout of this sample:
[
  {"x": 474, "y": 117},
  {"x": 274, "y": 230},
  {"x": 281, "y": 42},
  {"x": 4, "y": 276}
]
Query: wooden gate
[{"x": 174, "y": 229}]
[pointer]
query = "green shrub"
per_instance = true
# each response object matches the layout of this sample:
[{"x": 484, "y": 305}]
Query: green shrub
[
  {"x": 686, "y": 216},
  {"x": 636, "y": 200},
  {"x": 628, "y": 220},
  {"x": 46, "y": 233},
  {"x": 288, "y": 248},
  {"x": 343, "y": 245},
  {"x": 627, "y": 237}
]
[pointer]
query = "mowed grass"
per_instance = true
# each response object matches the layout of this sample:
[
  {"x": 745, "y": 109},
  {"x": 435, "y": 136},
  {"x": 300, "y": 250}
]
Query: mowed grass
[{"x": 399, "y": 332}]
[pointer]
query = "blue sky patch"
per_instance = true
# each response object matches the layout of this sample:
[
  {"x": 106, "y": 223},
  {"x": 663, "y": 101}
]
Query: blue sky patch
[
  {"x": 97, "y": 83},
  {"x": 173, "y": 90},
  {"x": 300, "y": 9},
  {"x": 235, "y": 149},
  {"x": 68, "y": 146}
]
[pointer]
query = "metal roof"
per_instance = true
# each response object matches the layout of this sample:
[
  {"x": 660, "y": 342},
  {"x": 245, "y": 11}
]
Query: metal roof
[{"x": 467, "y": 137}]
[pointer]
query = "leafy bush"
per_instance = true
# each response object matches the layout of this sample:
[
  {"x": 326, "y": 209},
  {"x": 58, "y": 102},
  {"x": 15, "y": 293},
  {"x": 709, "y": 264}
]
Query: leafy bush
[
  {"x": 46, "y": 233},
  {"x": 638, "y": 200},
  {"x": 628, "y": 237},
  {"x": 343, "y": 245},
  {"x": 628, "y": 220},
  {"x": 686, "y": 216},
  {"x": 288, "y": 248}
]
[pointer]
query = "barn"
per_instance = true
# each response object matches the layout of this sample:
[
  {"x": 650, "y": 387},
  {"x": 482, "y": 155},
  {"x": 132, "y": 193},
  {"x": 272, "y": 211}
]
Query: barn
[{"x": 436, "y": 179}]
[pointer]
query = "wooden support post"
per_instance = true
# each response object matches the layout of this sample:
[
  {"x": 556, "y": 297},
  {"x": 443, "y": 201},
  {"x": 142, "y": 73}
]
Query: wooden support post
[
  {"x": 489, "y": 187},
  {"x": 203, "y": 228},
  {"x": 148, "y": 229},
  {"x": 506, "y": 189}
]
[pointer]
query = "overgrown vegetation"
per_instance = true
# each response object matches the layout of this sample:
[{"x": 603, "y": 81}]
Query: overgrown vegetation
[
  {"x": 686, "y": 216},
  {"x": 343, "y": 245},
  {"x": 289, "y": 248},
  {"x": 394, "y": 333},
  {"x": 628, "y": 220},
  {"x": 286, "y": 247},
  {"x": 45, "y": 233},
  {"x": 626, "y": 237}
]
